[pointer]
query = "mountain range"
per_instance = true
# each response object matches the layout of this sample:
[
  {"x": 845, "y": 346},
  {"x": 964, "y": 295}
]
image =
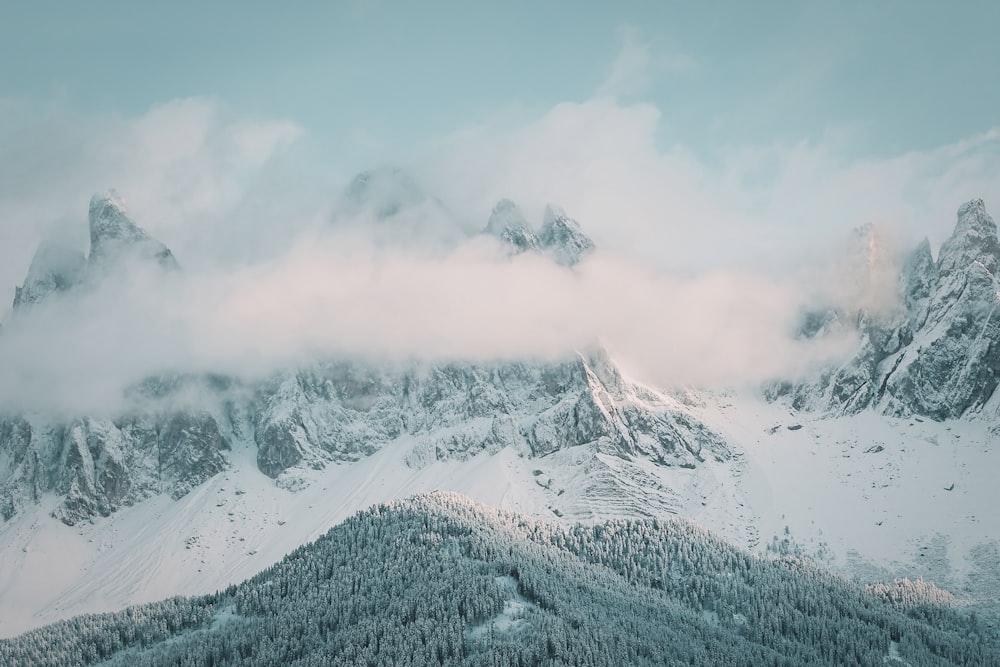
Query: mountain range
[{"x": 879, "y": 465}]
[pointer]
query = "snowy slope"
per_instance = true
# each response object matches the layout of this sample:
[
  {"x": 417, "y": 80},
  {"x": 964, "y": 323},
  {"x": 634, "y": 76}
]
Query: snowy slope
[
  {"x": 874, "y": 496},
  {"x": 932, "y": 351},
  {"x": 874, "y": 513},
  {"x": 165, "y": 502}
]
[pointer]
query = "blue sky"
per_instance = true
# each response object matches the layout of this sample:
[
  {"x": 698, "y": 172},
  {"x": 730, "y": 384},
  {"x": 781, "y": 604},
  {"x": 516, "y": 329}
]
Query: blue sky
[
  {"x": 765, "y": 122},
  {"x": 366, "y": 76}
]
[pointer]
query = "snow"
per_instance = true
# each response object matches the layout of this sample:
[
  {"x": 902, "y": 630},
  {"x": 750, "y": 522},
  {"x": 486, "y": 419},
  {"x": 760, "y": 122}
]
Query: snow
[
  {"x": 225, "y": 531},
  {"x": 871, "y": 493},
  {"x": 866, "y": 494},
  {"x": 511, "y": 619}
]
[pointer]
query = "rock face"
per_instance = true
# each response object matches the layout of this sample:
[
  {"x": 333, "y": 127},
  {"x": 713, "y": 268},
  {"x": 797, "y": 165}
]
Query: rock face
[
  {"x": 560, "y": 237},
  {"x": 97, "y": 466},
  {"x": 329, "y": 412},
  {"x": 115, "y": 237},
  {"x": 54, "y": 268},
  {"x": 342, "y": 411},
  {"x": 938, "y": 354},
  {"x": 508, "y": 224}
]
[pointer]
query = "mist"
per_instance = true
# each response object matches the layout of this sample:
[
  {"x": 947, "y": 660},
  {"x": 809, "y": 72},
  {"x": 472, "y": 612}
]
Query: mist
[
  {"x": 703, "y": 268},
  {"x": 334, "y": 298}
]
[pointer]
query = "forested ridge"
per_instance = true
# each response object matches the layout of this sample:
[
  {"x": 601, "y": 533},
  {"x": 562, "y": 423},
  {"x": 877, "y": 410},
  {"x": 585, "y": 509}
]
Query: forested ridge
[{"x": 440, "y": 580}]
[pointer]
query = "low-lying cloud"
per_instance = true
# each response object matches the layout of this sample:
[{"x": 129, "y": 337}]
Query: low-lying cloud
[
  {"x": 703, "y": 267},
  {"x": 319, "y": 301}
]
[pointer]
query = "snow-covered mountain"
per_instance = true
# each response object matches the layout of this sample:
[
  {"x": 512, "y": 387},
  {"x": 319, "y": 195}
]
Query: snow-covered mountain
[
  {"x": 54, "y": 268},
  {"x": 936, "y": 351},
  {"x": 880, "y": 466},
  {"x": 560, "y": 236},
  {"x": 333, "y": 411}
]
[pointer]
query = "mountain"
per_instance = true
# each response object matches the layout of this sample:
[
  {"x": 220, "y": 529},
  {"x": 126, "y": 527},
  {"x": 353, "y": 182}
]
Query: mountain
[
  {"x": 508, "y": 224},
  {"x": 560, "y": 237},
  {"x": 386, "y": 191},
  {"x": 115, "y": 237},
  {"x": 329, "y": 412},
  {"x": 341, "y": 412},
  {"x": 55, "y": 268},
  {"x": 395, "y": 211},
  {"x": 438, "y": 579},
  {"x": 207, "y": 479},
  {"x": 934, "y": 355}
]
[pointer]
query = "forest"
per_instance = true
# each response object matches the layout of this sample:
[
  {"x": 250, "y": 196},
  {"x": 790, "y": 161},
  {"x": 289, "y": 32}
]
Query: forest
[{"x": 438, "y": 579}]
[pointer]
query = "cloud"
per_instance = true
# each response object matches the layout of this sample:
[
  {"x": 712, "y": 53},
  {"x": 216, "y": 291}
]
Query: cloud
[
  {"x": 641, "y": 193},
  {"x": 326, "y": 299},
  {"x": 186, "y": 166},
  {"x": 704, "y": 265},
  {"x": 639, "y": 63}
]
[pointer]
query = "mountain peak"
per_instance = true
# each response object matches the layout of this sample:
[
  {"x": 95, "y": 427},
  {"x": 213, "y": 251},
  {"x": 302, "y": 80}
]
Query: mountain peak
[
  {"x": 868, "y": 250},
  {"x": 563, "y": 237},
  {"x": 506, "y": 214},
  {"x": 508, "y": 224},
  {"x": 919, "y": 277},
  {"x": 108, "y": 199},
  {"x": 975, "y": 207},
  {"x": 974, "y": 240},
  {"x": 54, "y": 268},
  {"x": 114, "y": 234},
  {"x": 385, "y": 190},
  {"x": 554, "y": 214},
  {"x": 109, "y": 220},
  {"x": 973, "y": 220}
]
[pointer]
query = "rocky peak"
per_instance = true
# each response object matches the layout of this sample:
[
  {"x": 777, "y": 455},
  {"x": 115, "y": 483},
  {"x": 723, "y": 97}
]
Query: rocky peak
[
  {"x": 939, "y": 360},
  {"x": 974, "y": 241},
  {"x": 115, "y": 236},
  {"x": 506, "y": 214},
  {"x": 385, "y": 191},
  {"x": 54, "y": 268},
  {"x": 563, "y": 238},
  {"x": 917, "y": 282},
  {"x": 508, "y": 224}
]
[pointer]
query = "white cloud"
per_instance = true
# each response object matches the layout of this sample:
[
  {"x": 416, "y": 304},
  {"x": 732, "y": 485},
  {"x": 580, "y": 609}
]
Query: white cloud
[
  {"x": 776, "y": 205},
  {"x": 639, "y": 63},
  {"x": 703, "y": 264},
  {"x": 185, "y": 167},
  {"x": 329, "y": 299}
]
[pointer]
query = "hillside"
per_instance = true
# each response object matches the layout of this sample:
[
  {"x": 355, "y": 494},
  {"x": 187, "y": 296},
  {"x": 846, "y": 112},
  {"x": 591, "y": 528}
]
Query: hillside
[{"x": 439, "y": 579}]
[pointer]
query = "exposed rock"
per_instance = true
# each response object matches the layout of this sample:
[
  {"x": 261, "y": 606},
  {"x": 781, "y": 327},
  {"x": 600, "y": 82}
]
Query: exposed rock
[
  {"x": 98, "y": 466},
  {"x": 508, "y": 224},
  {"x": 938, "y": 354},
  {"x": 183, "y": 425},
  {"x": 345, "y": 411},
  {"x": 54, "y": 268},
  {"x": 562, "y": 237},
  {"x": 115, "y": 237}
]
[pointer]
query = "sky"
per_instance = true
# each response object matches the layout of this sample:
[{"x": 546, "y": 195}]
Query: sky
[{"x": 694, "y": 142}]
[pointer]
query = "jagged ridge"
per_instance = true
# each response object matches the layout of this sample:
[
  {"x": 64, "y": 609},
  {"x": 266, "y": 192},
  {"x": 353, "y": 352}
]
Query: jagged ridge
[
  {"x": 937, "y": 354},
  {"x": 333, "y": 411}
]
